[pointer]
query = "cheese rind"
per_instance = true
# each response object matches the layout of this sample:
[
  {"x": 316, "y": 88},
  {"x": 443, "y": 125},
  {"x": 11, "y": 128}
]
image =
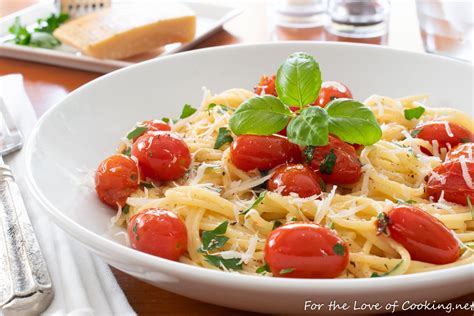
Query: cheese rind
[{"x": 122, "y": 32}]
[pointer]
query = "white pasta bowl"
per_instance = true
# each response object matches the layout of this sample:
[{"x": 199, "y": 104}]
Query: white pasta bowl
[{"x": 75, "y": 135}]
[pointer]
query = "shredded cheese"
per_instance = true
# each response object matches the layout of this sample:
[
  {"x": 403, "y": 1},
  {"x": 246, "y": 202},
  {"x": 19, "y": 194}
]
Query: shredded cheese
[{"x": 465, "y": 172}]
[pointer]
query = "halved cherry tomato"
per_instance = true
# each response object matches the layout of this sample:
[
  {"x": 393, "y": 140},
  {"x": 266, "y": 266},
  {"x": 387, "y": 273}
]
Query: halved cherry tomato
[
  {"x": 292, "y": 109},
  {"x": 466, "y": 150},
  {"x": 443, "y": 133},
  {"x": 346, "y": 169},
  {"x": 249, "y": 152},
  {"x": 266, "y": 86},
  {"x": 295, "y": 178},
  {"x": 162, "y": 156},
  {"x": 448, "y": 178},
  {"x": 157, "y": 125},
  {"x": 158, "y": 232},
  {"x": 300, "y": 250},
  {"x": 331, "y": 90},
  {"x": 424, "y": 236},
  {"x": 115, "y": 179}
]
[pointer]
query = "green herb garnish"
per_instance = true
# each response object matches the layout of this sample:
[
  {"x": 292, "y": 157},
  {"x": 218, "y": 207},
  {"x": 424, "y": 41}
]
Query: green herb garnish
[
  {"x": 309, "y": 154},
  {"x": 137, "y": 132},
  {"x": 322, "y": 184},
  {"x": 166, "y": 120},
  {"x": 414, "y": 113},
  {"x": 382, "y": 223},
  {"x": 218, "y": 261},
  {"x": 215, "y": 239},
  {"x": 408, "y": 202},
  {"x": 298, "y": 82},
  {"x": 147, "y": 185},
  {"x": 126, "y": 209},
  {"x": 276, "y": 224},
  {"x": 223, "y": 137},
  {"x": 286, "y": 270},
  {"x": 51, "y": 23},
  {"x": 42, "y": 34},
  {"x": 188, "y": 110},
  {"x": 378, "y": 275},
  {"x": 259, "y": 200},
  {"x": 339, "y": 249},
  {"x": 415, "y": 132},
  {"x": 263, "y": 269},
  {"x": 465, "y": 140},
  {"x": 328, "y": 163}
]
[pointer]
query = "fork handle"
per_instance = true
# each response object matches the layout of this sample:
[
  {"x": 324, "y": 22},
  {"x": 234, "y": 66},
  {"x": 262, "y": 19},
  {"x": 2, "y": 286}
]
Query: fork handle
[{"x": 25, "y": 284}]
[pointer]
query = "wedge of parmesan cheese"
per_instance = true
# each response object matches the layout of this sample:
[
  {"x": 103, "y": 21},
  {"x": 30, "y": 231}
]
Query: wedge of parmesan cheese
[{"x": 121, "y": 32}]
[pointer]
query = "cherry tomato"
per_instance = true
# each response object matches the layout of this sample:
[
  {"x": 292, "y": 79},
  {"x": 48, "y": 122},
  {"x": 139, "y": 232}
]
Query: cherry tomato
[
  {"x": 292, "y": 109},
  {"x": 331, "y": 90},
  {"x": 157, "y": 125},
  {"x": 448, "y": 178},
  {"x": 454, "y": 134},
  {"x": 266, "y": 86},
  {"x": 299, "y": 250},
  {"x": 466, "y": 150},
  {"x": 161, "y": 156},
  {"x": 424, "y": 236},
  {"x": 158, "y": 232},
  {"x": 249, "y": 152},
  {"x": 295, "y": 178},
  {"x": 115, "y": 179},
  {"x": 346, "y": 169}
]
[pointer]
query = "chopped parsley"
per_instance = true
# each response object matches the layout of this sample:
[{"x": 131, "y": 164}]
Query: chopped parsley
[
  {"x": 147, "y": 185},
  {"x": 382, "y": 223},
  {"x": 328, "y": 163},
  {"x": 126, "y": 209},
  {"x": 214, "y": 239},
  {"x": 218, "y": 261},
  {"x": 166, "y": 120},
  {"x": 263, "y": 269},
  {"x": 223, "y": 137},
  {"x": 330, "y": 225},
  {"x": 286, "y": 270},
  {"x": 136, "y": 132},
  {"x": 465, "y": 140},
  {"x": 414, "y": 113},
  {"x": 378, "y": 275},
  {"x": 128, "y": 151},
  {"x": 309, "y": 153},
  {"x": 322, "y": 184},
  {"x": 276, "y": 224},
  {"x": 407, "y": 202},
  {"x": 339, "y": 249},
  {"x": 188, "y": 110},
  {"x": 259, "y": 200}
]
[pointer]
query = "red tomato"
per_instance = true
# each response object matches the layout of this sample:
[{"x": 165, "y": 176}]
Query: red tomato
[
  {"x": 292, "y": 109},
  {"x": 466, "y": 150},
  {"x": 249, "y": 152},
  {"x": 158, "y": 232},
  {"x": 266, "y": 86},
  {"x": 295, "y": 178},
  {"x": 331, "y": 90},
  {"x": 448, "y": 178},
  {"x": 454, "y": 134},
  {"x": 157, "y": 125},
  {"x": 161, "y": 156},
  {"x": 299, "y": 250},
  {"x": 115, "y": 179},
  {"x": 347, "y": 167},
  {"x": 424, "y": 236}
]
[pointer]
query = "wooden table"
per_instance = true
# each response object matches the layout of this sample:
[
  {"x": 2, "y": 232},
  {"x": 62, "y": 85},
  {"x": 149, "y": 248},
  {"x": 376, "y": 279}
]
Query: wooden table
[{"x": 46, "y": 85}]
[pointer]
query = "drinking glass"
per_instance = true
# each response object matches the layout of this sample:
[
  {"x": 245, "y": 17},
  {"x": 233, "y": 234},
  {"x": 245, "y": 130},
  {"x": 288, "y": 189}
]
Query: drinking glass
[{"x": 300, "y": 13}]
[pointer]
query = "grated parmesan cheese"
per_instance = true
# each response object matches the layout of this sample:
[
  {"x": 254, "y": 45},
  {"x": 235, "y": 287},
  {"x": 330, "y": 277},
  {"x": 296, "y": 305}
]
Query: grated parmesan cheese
[
  {"x": 325, "y": 206},
  {"x": 448, "y": 129},
  {"x": 465, "y": 172}
]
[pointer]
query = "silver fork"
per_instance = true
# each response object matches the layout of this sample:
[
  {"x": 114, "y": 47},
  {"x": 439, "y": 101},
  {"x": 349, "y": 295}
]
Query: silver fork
[{"x": 25, "y": 284}]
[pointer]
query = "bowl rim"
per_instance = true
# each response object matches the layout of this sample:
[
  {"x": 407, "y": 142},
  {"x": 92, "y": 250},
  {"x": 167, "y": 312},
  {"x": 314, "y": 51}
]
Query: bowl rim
[{"x": 96, "y": 241}]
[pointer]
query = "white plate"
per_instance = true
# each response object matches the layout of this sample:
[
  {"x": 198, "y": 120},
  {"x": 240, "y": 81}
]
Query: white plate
[
  {"x": 210, "y": 18},
  {"x": 80, "y": 131}
]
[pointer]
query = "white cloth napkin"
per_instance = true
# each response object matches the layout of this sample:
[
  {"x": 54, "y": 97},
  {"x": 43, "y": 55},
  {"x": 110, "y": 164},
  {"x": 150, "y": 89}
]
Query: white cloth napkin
[{"x": 83, "y": 284}]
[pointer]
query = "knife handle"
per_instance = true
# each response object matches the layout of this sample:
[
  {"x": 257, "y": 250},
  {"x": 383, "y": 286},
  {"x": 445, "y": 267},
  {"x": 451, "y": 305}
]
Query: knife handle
[{"x": 25, "y": 284}]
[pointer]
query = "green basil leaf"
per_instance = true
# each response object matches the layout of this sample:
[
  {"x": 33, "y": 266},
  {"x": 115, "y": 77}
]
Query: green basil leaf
[
  {"x": 310, "y": 128},
  {"x": 218, "y": 261},
  {"x": 353, "y": 122},
  {"x": 223, "y": 137},
  {"x": 377, "y": 275},
  {"x": 259, "y": 200},
  {"x": 298, "y": 80},
  {"x": 260, "y": 115},
  {"x": 214, "y": 239},
  {"x": 166, "y": 120},
  {"x": 328, "y": 163},
  {"x": 287, "y": 270},
  {"x": 339, "y": 249},
  {"x": 414, "y": 113},
  {"x": 263, "y": 269},
  {"x": 137, "y": 132},
  {"x": 188, "y": 110}
]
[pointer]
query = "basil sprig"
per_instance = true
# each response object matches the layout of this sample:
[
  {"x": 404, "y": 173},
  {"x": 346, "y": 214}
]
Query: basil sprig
[{"x": 298, "y": 82}]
